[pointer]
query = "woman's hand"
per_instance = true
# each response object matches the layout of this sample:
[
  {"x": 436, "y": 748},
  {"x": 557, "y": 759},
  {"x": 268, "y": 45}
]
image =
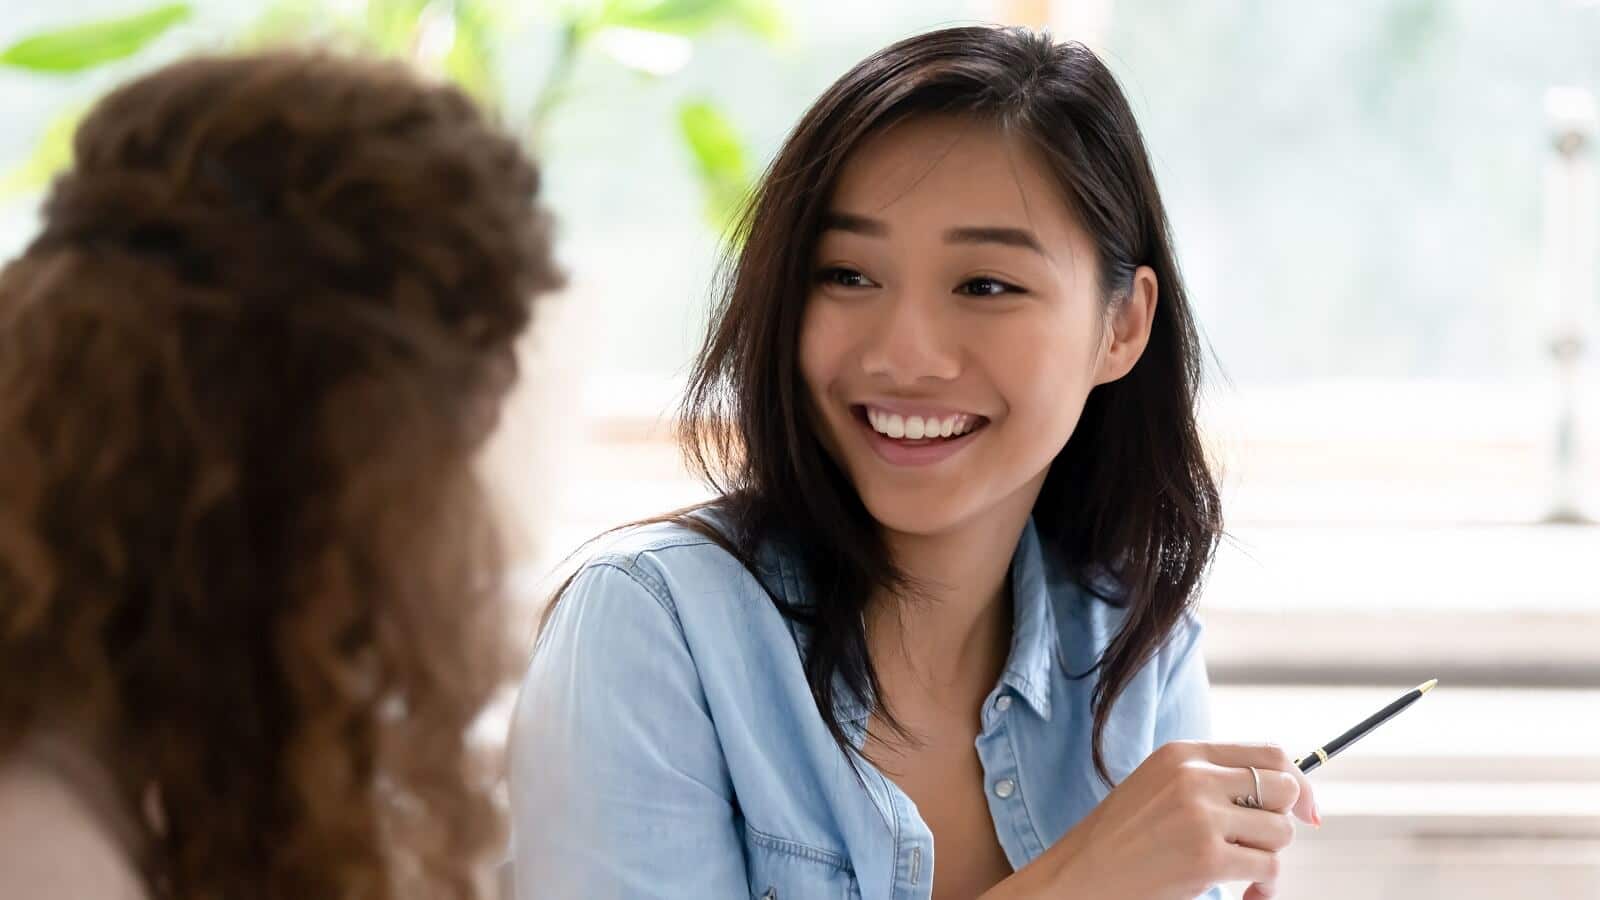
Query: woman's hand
[{"x": 1171, "y": 830}]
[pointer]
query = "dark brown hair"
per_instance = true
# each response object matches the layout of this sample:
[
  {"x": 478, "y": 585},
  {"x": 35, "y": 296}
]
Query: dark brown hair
[
  {"x": 245, "y": 369},
  {"x": 1129, "y": 503}
]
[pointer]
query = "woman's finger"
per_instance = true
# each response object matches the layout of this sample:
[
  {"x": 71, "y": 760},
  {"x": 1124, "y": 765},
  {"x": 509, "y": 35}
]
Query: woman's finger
[
  {"x": 1305, "y": 808},
  {"x": 1258, "y": 829},
  {"x": 1266, "y": 756},
  {"x": 1280, "y": 791},
  {"x": 1260, "y": 892},
  {"x": 1259, "y": 867}
]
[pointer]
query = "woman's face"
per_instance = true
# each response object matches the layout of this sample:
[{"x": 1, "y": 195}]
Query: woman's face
[{"x": 955, "y": 324}]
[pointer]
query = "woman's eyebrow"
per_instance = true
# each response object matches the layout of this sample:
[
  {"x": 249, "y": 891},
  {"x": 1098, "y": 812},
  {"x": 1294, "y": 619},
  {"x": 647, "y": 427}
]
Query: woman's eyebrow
[
  {"x": 842, "y": 221},
  {"x": 970, "y": 234},
  {"x": 1010, "y": 237}
]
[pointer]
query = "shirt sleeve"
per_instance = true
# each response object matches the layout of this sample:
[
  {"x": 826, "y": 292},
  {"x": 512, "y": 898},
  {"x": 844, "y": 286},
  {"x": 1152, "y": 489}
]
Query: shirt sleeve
[
  {"x": 618, "y": 783},
  {"x": 1184, "y": 712}
]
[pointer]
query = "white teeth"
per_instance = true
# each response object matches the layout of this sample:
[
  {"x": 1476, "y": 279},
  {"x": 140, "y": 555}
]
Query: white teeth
[{"x": 914, "y": 428}]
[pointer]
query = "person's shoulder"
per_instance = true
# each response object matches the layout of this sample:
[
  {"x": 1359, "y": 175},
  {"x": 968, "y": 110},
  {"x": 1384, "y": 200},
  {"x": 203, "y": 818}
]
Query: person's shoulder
[
  {"x": 52, "y": 844},
  {"x": 633, "y": 541},
  {"x": 672, "y": 560},
  {"x": 683, "y": 565},
  {"x": 658, "y": 546}
]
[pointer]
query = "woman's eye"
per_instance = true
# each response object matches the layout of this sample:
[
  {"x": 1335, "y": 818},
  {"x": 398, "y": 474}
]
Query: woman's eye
[
  {"x": 842, "y": 277},
  {"x": 986, "y": 287}
]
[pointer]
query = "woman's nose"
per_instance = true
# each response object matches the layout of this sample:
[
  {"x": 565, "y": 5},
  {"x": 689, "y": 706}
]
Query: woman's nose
[{"x": 910, "y": 341}]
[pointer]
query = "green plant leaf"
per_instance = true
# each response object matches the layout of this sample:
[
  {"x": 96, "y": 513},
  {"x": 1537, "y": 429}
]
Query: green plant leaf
[
  {"x": 50, "y": 155},
  {"x": 392, "y": 28},
  {"x": 763, "y": 18},
  {"x": 471, "y": 61},
  {"x": 81, "y": 47},
  {"x": 690, "y": 17},
  {"x": 720, "y": 160},
  {"x": 389, "y": 26}
]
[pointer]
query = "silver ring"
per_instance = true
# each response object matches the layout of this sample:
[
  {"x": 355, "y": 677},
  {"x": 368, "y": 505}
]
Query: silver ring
[{"x": 1254, "y": 800}]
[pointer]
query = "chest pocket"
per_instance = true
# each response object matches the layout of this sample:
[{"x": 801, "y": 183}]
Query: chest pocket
[{"x": 787, "y": 870}]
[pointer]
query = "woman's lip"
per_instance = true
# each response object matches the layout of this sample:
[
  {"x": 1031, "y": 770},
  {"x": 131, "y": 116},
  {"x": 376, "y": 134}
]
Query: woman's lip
[{"x": 906, "y": 410}]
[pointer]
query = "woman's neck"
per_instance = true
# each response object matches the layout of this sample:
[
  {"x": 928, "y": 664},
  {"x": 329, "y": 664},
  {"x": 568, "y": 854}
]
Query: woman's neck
[{"x": 953, "y": 638}]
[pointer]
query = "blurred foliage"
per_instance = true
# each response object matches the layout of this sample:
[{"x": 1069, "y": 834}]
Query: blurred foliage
[
  {"x": 457, "y": 40},
  {"x": 691, "y": 17},
  {"x": 720, "y": 158},
  {"x": 51, "y": 154},
  {"x": 68, "y": 51},
  {"x": 1403, "y": 39},
  {"x": 80, "y": 47}
]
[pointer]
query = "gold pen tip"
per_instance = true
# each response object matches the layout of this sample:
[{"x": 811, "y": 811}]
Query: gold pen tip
[{"x": 1428, "y": 685}]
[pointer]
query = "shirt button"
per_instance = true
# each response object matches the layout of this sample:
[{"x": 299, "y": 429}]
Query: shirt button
[
  {"x": 1004, "y": 788},
  {"x": 1003, "y": 704}
]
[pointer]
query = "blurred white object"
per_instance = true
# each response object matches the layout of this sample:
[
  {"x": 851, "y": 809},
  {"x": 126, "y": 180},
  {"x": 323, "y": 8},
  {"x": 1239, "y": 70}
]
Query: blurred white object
[
  {"x": 1570, "y": 249},
  {"x": 1474, "y": 794},
  {"x": 436, "y": 36},
  {"x": 1085, "y": 21},
  {"x": 650, "y": 52}
]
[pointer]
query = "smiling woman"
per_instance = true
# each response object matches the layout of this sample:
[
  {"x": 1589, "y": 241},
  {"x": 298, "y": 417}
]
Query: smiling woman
[
  {"x": 956, "y": 298},
  {"x": 942, "y": 604}
]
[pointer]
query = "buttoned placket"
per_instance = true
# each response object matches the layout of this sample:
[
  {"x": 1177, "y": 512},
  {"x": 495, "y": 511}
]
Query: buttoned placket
[{"x": 997, "y": 754}]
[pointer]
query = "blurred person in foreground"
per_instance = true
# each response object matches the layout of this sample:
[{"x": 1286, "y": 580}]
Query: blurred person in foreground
[{"x": 249, "y": 587}]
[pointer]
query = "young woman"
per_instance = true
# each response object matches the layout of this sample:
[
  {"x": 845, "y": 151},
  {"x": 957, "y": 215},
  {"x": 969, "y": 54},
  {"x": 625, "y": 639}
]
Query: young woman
[
  {"x": 944, "y": 600},
  {"x": 248, "y": 592}
]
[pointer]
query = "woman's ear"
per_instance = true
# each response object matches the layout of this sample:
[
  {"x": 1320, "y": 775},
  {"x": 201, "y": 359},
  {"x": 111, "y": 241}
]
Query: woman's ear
[{"x": 1129, "y": 329}]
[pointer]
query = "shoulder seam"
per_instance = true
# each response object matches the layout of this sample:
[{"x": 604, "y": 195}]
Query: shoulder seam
[
  {"x": 685, "y": 538},
  {"x": 651, "y": 585}
]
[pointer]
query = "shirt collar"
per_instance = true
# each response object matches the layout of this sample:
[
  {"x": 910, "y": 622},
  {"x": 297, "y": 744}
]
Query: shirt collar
[{"x": 1035, "y": 641}]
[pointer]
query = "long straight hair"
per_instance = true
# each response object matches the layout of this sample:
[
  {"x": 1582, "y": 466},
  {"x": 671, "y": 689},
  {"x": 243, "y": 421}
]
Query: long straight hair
[{"x": 1129, "y": 496}]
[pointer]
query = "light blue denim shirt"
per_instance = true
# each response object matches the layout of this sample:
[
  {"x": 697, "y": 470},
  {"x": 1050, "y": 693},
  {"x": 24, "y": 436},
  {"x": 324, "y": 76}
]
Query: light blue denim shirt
[{"x": 666, "y": 743}]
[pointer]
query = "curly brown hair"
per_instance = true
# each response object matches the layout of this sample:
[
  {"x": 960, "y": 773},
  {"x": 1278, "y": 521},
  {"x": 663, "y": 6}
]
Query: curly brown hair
[{"x": 245, "y": 558}]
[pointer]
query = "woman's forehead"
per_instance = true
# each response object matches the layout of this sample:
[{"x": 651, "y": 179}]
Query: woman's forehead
[{"x": 938, "y": 169}]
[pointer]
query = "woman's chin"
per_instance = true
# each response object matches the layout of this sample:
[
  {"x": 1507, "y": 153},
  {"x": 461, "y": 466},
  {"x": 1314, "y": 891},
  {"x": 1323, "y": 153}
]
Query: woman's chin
[{"x": 914, "y": 513}]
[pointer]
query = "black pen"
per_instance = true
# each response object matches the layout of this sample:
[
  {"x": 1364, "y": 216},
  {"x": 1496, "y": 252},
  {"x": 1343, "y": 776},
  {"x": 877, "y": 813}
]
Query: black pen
[{"x": 1336, "y": 746}]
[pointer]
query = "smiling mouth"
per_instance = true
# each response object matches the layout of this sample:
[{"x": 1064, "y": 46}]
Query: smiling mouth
[{"x": 918, "y": 431}]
